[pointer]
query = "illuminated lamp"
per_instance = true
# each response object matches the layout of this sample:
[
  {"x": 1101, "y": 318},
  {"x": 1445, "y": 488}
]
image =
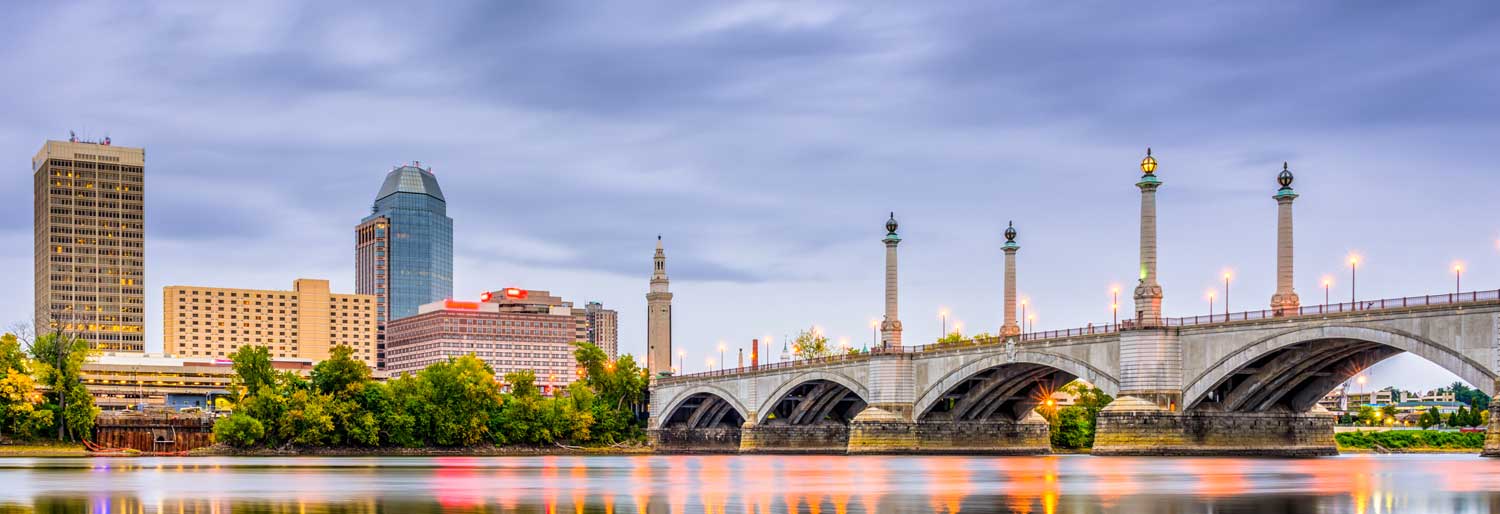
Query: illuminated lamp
[
  {"x": 485, "y": 296},
  {"x": 454, "y": 304},
  {"x": 515, "y": 293}
]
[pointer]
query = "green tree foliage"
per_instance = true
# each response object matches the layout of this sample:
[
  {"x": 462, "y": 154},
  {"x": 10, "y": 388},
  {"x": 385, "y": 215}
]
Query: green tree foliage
[
  {"x": 1073, "y": 426},
  {"x": 21, "y": 415},
  {"x": 811, "y": 344},
  {"x": 456, "y": 402},
  {"x": 57, "y": 361},
  {"x": 239, "y": 430},
  {"x": 1466, "y": 395},
  {"x": 1368, "y": 416},
  {"x": 1429, "y": 418},
  {"x": 1388, "y": 412},
  {"x": 1402, "y": 439},
  {"x": 954, "y": 337}
]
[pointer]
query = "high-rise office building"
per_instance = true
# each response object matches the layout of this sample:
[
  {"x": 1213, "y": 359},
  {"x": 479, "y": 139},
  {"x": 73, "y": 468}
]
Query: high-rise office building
[
  {"x": 601, "y": 327},
  {"x": 304, "y": 323},
  {"x": 404, "y": 248},
  {"x": 90, "y": 242}
]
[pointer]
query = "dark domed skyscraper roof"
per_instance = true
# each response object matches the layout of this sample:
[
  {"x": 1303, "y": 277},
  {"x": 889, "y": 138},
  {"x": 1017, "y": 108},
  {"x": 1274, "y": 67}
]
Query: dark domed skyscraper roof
[{"x": 410, "y": 179}]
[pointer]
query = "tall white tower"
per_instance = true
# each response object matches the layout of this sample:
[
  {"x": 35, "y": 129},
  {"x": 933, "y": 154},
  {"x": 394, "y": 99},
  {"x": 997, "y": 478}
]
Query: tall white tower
[
  {"x": 659, "y": 318},
  {"x": 1285, "y": 301},
  {"x": 1148, "y": 291},
  {"x": 890, "y": 328}
]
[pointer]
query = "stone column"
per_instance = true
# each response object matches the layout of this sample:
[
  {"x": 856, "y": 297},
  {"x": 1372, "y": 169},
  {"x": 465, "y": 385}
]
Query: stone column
[
  {"x": 1010, "y": 328},
  {"x": 890, "y": 328},
  {"x": 1492, "y": 435},
  {"x": 1285, "y": 301},
  {"x": 1148, "y": 292}
]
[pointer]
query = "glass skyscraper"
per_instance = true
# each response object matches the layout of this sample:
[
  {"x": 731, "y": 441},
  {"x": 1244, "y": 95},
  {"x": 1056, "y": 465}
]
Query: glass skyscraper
[{"x": 404, "y": 248}]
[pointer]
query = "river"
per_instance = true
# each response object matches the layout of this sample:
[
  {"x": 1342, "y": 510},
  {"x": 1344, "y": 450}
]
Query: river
[{"x": 1362, "y": 484}]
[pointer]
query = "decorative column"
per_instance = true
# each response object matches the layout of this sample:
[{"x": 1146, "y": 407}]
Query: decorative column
[
  {"x": 1010, "y": 329},
  {"x": 890, "y": 328},
  {"x": 1148, "y": 291},
  {"x": 1284, "y": 302}
]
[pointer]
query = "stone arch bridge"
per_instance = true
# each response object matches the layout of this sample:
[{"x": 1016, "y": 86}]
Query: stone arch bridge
[{"x": 1245, "y": 383}]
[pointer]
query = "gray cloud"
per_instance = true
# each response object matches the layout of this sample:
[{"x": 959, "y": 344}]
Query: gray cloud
[{"x": 768, "y": 140}]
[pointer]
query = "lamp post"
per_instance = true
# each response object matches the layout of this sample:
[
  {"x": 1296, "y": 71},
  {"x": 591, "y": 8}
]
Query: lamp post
[
  {"x": 1458, "y": 277},
  {"x": 721, "y": 355},
  {"x": 1031, "y": 320},
  {"x": 1114, "y": 304},
  {"x": 1227, "y": 275},
  {"x": 1353, "y": 276},
  {"x": 1327, "y": 283},
  {"x": 943, "y": 315},
  {"x": 1210, "y": 306},
  {"x": 681, "y": 356},
  {"x": 874, "y": 332},
  {"x": 1023, "y": 315}
]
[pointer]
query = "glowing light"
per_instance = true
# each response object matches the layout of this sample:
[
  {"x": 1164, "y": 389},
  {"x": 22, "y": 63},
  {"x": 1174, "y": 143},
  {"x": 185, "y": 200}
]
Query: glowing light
[
  {"x": 1458, "y": 267},
  {"x": 1362, "y": 379},
  {"x": 454, "y": 304},
  {"x": 1327, "y": 281},
  {"x": 1228, "y": 274},
  {"x": 1210, "y": 294},
  {"x": 485, "y": 296},
  {"x": 1354, "y": 259}
]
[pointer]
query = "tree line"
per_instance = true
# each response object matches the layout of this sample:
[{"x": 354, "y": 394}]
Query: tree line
[
  {"x": 42, "y": 395},
  {"x": 454, "y": 403}
]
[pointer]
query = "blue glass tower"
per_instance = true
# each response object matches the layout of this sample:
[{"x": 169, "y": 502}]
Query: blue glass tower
[{"x": 404, "y": 249}]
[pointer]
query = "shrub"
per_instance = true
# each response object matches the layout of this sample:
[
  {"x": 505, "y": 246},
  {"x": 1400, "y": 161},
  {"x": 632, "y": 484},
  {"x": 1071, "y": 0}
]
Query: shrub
[{"x": 239, "y": 430}]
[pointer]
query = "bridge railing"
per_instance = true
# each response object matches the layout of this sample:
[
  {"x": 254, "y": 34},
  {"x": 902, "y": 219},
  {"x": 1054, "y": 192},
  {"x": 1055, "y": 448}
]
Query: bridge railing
[
  {"x": 1339, "y": 308},
  {"x": 797, "y": 363}
]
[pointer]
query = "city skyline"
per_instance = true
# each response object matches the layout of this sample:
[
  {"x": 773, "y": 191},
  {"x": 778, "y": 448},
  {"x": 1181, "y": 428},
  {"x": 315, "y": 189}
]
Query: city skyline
[{"x": 564, "y": 187}]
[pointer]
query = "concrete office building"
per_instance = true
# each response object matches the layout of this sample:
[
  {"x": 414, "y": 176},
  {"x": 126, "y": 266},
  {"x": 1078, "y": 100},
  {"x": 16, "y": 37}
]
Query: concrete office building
[
  {"x": 90, "y": 242},
  {"x": 599, "y": 326},
  {"x": 511, "y": 329},
  {"x": 304, "y": 323},
  {"x": 153, "y": 381}
]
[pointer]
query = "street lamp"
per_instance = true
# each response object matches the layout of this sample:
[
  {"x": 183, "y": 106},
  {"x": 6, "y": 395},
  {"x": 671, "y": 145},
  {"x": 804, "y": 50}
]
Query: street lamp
[
  {"x": 709, "y": 362},
  {"x": 1114, "y": 303},
  {"x": 943, "y": 315},
  {"x": 1458, "y": 277},
  {"x": 1227, "y": 275},
  {"x": 1032, "y": 320},
  {"x": 1210, "y": 306},
  {"x": 1353, "y": 276},
  {"x": 721, "y": 355},
  {"x": 1023, "y": 315},
  {"x": 958, "y": 327},
  {"x": 681, "y": 355},
  {"x": 1327, "y": 283},
  {"x": 874, "y": 332}
]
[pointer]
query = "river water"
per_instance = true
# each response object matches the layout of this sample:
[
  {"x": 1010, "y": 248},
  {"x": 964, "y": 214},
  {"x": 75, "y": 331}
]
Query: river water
[{"x": 756, "y": 484}]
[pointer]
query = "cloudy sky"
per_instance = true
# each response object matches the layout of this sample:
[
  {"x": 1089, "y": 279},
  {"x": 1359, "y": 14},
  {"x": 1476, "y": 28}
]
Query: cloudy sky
[{"x": 767, "y": 142}]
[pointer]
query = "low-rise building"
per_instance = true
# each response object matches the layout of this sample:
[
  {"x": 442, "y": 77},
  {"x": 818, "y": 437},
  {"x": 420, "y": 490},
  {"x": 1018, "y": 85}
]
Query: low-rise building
[
  {"x": 303, "y": 323},
  {"x": 137, "y": 380},
  {"x": 511, "y": 329}
]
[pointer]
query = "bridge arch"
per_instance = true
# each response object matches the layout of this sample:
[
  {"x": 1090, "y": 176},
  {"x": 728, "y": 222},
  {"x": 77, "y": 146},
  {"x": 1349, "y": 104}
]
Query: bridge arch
[
  {"x": 1294, "y": 369},
  {"x": 801, "y": 381},
  {"x": 700, "y": 390},
  {"x": 1073, "y": 367}
]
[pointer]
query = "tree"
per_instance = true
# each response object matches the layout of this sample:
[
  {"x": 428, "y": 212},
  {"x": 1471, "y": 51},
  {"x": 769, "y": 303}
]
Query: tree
[
  {"x": 1074, "y": 428},
  {"x": 58, "y": 363},
  {"x": 620, "y": 393},
  {"x": 252, "y": 369},
  {"x": 1368, "y": 416},
  {"x": 954, "y": 337},
  {"x": 340, "y": 373},
  {"x": 239, "y": 430},
  {"x": 1388, "y": 413},
  {"x": 811, "y": 344},
  {"x": 1429, "y": 418},
  {"x": 462, "y": 395},
  {"x": 19, "y": 400}
]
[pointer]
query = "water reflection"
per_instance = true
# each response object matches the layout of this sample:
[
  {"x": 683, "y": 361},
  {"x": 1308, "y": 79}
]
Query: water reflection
[{"x": 751, "y": 484}]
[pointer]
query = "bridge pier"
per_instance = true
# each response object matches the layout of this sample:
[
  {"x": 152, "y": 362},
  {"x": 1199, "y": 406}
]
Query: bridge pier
[
  {"x": 681, "y": 439},
  {"x": 1492, "y": 435},
  {"x": 829, "y": 437},
  {"x": 1162, "y": 432}
]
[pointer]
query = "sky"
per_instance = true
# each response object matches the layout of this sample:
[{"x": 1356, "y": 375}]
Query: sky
[{"x": 767, "y": 142}]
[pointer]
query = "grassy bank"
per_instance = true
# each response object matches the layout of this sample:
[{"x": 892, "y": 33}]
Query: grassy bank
[
  {"x": 474, "y": 451},
  {"x": 42, "y": 449},
  {"x": 1411, "y": 441}
]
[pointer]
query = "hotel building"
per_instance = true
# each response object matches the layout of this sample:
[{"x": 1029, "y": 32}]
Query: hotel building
[
  {"x": 304, "y": 323},
  {"x": 599, "y": 326},
  {"x": 90, "y": 261},
  {"x": 511, "y": 329},
  {"x": 403, "y": 250}
]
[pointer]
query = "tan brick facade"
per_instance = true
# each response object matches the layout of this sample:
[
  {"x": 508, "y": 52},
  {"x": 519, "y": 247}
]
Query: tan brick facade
[{"x": 304, "y": 323}]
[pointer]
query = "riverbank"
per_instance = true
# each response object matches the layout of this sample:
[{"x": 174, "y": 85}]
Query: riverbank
[
  {"x": 475, "y": 451},
  {"x": 42, "y": 450}
]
